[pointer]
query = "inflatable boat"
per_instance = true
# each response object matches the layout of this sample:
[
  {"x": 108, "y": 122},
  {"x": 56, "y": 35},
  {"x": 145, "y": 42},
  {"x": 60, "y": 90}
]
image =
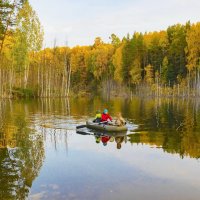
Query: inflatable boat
[{"x": 105, "y": 127}]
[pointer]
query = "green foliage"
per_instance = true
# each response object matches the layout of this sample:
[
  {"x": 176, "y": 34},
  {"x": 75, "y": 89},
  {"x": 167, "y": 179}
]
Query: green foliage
[
  {"x": 176, "y": 53},
  {"x": 23, "y": 93},
  {"x": 115, "y": 41},
  {"x": 5, "y": 8},
  {"x": 28, "y": 35},
  {"x": 8, "y": 15}
]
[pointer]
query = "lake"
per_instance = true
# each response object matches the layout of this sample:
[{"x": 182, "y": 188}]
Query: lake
[{"x": 43, "y": 157}]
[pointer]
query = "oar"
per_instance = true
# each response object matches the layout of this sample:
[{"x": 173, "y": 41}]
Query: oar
[
  {"x": 84, "y": 133},
  {"x": 88, "y": 133},
  {"x": 98, "y": 123},
  {"x": 83, "y": 126}
]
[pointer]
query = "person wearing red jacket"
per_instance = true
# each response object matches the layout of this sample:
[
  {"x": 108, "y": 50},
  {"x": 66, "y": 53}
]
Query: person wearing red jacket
[
  {"x": 105, "y": 139},
  {"x": 105, "y": 117}
]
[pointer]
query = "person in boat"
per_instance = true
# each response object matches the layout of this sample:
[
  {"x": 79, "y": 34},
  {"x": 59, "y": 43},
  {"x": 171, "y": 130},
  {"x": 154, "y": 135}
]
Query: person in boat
[
  {"x": 105, "y": 117},
  {"x": 119, "y": 140},
  {"x": 120, "y": 121},
  {"x": 97, "y": 117},
  {"x": 97, "y": 139},
  {"x": 105, "y": 139}
]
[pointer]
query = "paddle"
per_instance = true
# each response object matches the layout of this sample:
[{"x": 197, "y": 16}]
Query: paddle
[
  {"x": 88, "y": 133},
  {"x": 84, "y": 126},
  {"x": 84, "y": 133},
  {"x": 81, "y": 126}
]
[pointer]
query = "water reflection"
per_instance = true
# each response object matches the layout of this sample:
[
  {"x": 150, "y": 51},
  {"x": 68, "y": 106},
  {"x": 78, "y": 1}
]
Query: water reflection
[
  {"x": 171, "y": 124},
  {"x": 105, "y": 138},
  {"x": 21, "y": 152},
  {"x": 30, "y": 131}
]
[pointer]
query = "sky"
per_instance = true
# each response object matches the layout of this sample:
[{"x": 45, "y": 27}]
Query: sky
[{"x": 79, "y": 22}]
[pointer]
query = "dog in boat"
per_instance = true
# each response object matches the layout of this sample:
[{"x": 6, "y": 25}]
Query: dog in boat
[{"x": 120, "y": 121}]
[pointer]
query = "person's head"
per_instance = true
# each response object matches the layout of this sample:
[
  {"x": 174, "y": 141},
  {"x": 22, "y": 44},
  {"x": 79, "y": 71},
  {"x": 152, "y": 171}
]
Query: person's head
[
  {"x": 98, "y": 112},
  {"x": 112, "y": 139},
  {"x": 98, "y": 139},
  {"x": 119, "y": 146},
  {"x": 104, "y": 143},
  {"x": 105, "y": 111},
  {"x": 119, "y": 139}
]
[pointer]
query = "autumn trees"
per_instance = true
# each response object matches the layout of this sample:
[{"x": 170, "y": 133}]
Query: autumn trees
[
  {"x": 157, "y": 63},
  {"x": 193, "y": 55},
  {"x": 8, "y": 17},
  {"x": 20, "y": 36},
  {"x": 28, "y": 38},
  {"x": 160, "y": 59}
]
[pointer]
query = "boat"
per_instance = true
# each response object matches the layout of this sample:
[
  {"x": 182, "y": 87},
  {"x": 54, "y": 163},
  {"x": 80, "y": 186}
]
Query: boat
[{"x": 105, "y": 127}]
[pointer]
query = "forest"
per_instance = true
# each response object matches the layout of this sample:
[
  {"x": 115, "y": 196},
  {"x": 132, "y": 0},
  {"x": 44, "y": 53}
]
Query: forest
[{"x": 160, "y": 63}]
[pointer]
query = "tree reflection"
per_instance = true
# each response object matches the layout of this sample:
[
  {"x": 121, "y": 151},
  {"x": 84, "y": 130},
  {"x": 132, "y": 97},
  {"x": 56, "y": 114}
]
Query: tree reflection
[
  {"x": 176, "y": 130},
  {"x": 21, "y": 152},
  {"x": 171, "y": 124}
]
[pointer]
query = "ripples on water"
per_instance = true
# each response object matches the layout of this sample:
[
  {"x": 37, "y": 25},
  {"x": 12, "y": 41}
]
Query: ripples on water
[{"x": 42, "y": 156}]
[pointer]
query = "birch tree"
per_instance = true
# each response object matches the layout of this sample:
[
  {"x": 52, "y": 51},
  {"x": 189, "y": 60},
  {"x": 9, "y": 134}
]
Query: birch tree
[{"x": 28, "y": 38}]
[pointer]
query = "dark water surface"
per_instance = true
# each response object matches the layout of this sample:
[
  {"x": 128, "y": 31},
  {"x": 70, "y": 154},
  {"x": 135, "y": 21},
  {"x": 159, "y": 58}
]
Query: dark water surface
[{"x": 42, "y": 156}]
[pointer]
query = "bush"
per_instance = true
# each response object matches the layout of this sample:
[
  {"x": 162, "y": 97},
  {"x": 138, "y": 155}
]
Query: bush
[{"x": 23, "y": 93}]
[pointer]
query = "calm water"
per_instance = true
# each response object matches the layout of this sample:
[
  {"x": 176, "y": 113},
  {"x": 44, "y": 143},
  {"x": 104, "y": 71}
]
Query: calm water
[{"x": 42, "y": 156}]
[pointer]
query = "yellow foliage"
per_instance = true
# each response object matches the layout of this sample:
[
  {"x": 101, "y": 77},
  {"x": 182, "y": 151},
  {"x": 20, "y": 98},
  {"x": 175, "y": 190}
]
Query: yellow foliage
[{"x": 193, "y": 48}]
